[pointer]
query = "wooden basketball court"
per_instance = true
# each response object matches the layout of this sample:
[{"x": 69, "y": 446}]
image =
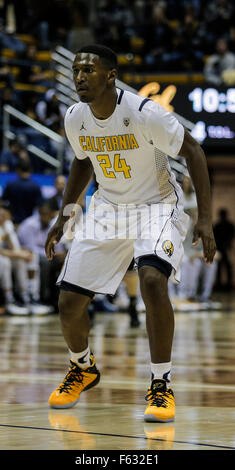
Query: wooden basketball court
[{"x": 34, "y": 360}]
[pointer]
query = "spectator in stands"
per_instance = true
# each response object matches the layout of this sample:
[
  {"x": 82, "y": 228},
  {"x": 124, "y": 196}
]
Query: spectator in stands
[
  {"x": 9, "y": 96},
  {"x": 224, "y": 231},
  {"x": 176, "y": 8},
  {"x": 158, "y": 39},
  {"x": 12, "y": 259},
  {"x": 218, "y": 16},
  {"x": 189, "y": 42},
  {"x": 8, "y": 40},
  {"x": 6, "y": 76},
  {"x": 40, "y": 17},
  {"x": 56, "y": 200},
  {"x": 29, "y": 104},
  {"x": 50, "y": 112},
  {"x": 32, "y": 234},
  {"x": 20, "y": 9},
  {"x": 223, "y": 60},
  {"x": 81, "y": 33},
  {"x": 182, "y": 291},
  {"x": 54, "y": 28},
  {"x": 115, "y": 24},
  {"x": 15, "y": 154},
  {"x": 27, "y": 65},
  {"x": 31, "y": 70},
  {"x": 68, "y": 152},
  {"x": 197, "y": 278},
  {"x": 23, "y": 194}
]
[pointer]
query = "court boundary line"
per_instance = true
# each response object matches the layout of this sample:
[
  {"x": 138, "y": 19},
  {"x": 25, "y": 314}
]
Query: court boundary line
[{"x": 118, "y": 435}]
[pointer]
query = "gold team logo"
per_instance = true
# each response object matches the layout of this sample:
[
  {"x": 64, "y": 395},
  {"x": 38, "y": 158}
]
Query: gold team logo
[
  {"x": 151, "y": 91},
  {"x": 168, "y": 248},
  {"x": 126, "y": 121}
]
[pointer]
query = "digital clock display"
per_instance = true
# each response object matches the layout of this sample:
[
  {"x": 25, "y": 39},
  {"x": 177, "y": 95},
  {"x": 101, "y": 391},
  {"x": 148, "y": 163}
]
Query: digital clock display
[
  {"x": 212, "y": 101},
  {"x": 211, "y": 109}
]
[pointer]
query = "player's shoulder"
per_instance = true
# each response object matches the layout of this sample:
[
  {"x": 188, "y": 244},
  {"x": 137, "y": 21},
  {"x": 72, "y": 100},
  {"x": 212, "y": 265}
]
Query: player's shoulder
[
  {"x": 73, "y": 111},
  {"x": 141, "y": 106},
  {"x": 132, "y": 100},
  {"x": 30, "y": 222},
  {"x": 74, "y": 117}
]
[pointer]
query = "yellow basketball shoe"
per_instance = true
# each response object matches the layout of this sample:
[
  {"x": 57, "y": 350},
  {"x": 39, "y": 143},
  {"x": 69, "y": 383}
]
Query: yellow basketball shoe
[
  {"x": 161, "y": 407},
  {"x": 77, "y": 380}
]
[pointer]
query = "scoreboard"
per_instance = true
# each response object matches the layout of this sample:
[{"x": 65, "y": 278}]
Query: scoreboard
[{"x": 212, "y": 110}]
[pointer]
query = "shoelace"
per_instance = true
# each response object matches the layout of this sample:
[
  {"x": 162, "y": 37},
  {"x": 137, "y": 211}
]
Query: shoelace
[
  {"x": 75, "y": 374},
  {"x": 157, "y": 398}
]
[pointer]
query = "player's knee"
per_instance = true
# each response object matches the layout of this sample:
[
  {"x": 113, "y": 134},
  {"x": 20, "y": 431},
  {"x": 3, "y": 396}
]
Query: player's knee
[
  {"x": 72, "y": 304},
  {"x": 152, "y": 280}
]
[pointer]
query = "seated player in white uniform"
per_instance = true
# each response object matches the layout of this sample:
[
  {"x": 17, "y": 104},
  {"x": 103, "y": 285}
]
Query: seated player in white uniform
[
  {"x": 13, "y": 259},
  {"x": 137, "y": 212}
]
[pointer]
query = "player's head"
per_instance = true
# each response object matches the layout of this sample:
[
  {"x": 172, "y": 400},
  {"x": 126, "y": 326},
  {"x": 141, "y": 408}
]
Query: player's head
[
  {"x": 5, "y": 212},
  {"x": 46, "y": 213},
  {"x": 23, "y": 167},
  {"x": 60, "y": 183},
  {"x": 221, "y": 46},
  {"x": 94, "y": 71},
  {"x": 106, "y": 55}
]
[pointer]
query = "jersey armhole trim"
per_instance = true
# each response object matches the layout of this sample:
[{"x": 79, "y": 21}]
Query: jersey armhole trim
[
  {"x": 143, "y": 103},
  {"x": 71, "y": 110},
  {"x": 120, "y": 97}
]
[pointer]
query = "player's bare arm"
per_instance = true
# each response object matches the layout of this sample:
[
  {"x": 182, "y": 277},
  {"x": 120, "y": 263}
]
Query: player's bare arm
[
  {"x": 79, "y": 176},
  {"x": 197, "y": 166}
]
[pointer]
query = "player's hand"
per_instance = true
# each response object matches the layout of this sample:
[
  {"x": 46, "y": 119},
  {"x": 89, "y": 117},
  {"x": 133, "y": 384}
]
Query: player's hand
[
  {"x": 53, "y": 237},
  {"x": 203, "y": 229},
  {"x": 26, "y": 255}
]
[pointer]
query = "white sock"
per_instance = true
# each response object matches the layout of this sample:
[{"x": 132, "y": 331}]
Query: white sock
[
  {"x": 161, "y": 371},
  {"x": 82, "y": 358}
]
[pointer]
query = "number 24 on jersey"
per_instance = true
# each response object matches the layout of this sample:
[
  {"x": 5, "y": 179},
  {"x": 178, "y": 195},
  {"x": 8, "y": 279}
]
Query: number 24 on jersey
[{"x": 119, "y": 165}]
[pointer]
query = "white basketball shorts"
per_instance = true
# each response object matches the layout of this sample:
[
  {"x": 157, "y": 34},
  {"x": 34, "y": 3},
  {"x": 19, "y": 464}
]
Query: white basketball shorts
[{"x": 107, "y": 239}]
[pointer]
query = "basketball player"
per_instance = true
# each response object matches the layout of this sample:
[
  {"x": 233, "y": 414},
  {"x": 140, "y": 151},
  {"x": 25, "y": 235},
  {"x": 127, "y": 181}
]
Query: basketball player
[{"x": 125, "y": 139}]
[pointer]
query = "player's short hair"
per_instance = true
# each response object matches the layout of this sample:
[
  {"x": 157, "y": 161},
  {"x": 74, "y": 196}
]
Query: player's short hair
[
  {"x": 23, "y": 166},
  {"x": 107, "y": 55},
  {"x": 46, "y": 204},
  {"x": 5, "y": 206}
]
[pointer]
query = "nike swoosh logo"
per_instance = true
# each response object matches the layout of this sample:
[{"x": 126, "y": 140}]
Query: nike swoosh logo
[
  {"x": 165, "y": 376},
  {"x": 82, "y": 359}
]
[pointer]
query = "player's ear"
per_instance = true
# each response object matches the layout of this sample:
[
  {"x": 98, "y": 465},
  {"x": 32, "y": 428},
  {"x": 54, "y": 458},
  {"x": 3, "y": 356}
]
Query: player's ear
[{"x": 112, "y": 75}]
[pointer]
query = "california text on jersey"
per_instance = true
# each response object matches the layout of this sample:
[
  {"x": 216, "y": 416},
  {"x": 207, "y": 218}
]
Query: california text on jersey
[{"x": 108, "y": 143}]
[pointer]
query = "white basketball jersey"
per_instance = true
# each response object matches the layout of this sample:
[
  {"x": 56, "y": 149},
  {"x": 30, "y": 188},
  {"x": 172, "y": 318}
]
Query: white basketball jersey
[{"x": 129, "y": 149}]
